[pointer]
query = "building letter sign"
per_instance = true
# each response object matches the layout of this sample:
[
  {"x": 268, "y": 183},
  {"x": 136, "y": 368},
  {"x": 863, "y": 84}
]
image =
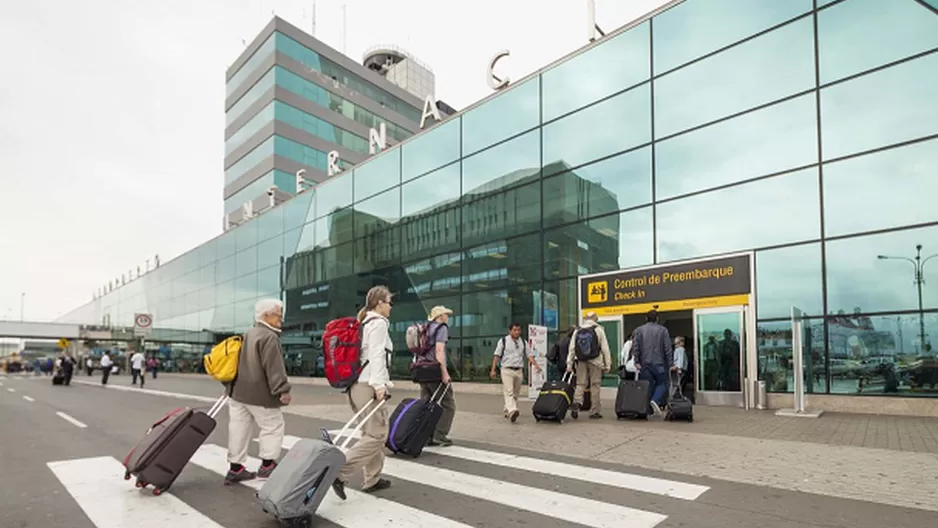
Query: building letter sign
[
  {"x": 248, "y": 209},
  {"x": 378, "y": 139},
  {"x": 429, "y": 110},
  {"x": 593, "y": 31},
  {"x": 300, "y": 181},
  {"x": 332, "y": 163},
  {"x": 271, "y": 201},
  {"x": 494, "y": 82}
]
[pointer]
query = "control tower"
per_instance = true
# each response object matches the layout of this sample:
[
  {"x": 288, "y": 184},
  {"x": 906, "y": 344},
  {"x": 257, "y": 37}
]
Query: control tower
[{"x": 401, "y": 68}]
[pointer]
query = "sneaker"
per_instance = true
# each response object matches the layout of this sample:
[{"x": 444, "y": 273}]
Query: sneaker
[
  {"x": 239, "y": 476},
  {"x": 339, "y": 488},
  {"x": 382, "y": 484},
  {"x": 444, "y": 442},
  {"x": 265, "y": 471},
  {"x": 596, "y": 416},
  {"x": 514, "y": 416},
  {"x": 655, "y": 408},
  {"x": 575, "y": 411}
]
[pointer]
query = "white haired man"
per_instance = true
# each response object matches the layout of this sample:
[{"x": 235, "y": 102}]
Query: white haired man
[{"x": 259, "y": 391}]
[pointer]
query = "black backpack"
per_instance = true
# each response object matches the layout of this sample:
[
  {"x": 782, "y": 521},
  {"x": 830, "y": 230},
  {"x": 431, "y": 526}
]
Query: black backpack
[{"x": 587, "y": 344}]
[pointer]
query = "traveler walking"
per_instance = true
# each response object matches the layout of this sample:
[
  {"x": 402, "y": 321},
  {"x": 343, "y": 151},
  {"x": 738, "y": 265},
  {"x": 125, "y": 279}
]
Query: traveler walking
[
  {"x": 589, "y": 349},
  {"x": 512, "y": 351},
  {"x": 257, "y": 393},
  {"x": 106, "y": 365},
  {"x": 67, "y": 367},
  {"x": 654, "y": 358},
  {"x": 438, "y": 335},
  {"x": 137, "y": 360},
  {"x": 89, "y": 365},
  {"x": 367, "y": 456}
]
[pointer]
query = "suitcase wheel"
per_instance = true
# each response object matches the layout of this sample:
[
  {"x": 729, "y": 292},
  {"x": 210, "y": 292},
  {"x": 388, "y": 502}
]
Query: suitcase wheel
[
  {"x": 690, "y": 419},
  {"x": 127, "y": 475},
  {"x": 157, "y": 491},
  {"x": 141, "y": 484},
  {"x": 302, "y": 522}
]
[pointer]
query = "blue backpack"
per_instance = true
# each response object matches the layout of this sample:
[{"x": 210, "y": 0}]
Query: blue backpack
[{"x": 587, "y": 344}]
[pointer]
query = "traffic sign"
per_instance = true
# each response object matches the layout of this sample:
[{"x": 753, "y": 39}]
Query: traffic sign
[
  {"x": 143, "y": 324},
  {"x": 63, "y": 343}
]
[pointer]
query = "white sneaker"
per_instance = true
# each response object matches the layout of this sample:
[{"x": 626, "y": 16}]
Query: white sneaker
[{"x": 655, "y": 408}]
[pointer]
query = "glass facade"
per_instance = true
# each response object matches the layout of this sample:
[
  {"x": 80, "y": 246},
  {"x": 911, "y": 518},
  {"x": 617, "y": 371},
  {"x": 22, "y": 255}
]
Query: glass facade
[{"x": 805, "y": 134}]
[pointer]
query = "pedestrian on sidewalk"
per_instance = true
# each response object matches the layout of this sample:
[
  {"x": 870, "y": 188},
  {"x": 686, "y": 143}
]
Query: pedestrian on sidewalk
[
  {"x": 654, "y": 358},
  {"x": 68, "y": 368},
  {"x": 89, "y": 365},
  {"x": 589, "y": 349},
  {"x": 137, "y": 360},
  {"x": 259, "y": 390},
  {"x": 106, "y": 365},
  {"x": 512, "y": 351},
  {"x": 438, "y": 335},
  {"x": 367, "y": 456}
]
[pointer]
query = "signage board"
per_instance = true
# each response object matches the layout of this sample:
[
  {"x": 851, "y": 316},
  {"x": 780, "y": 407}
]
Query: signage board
[
  {"x": 63, "y": 343},
  {"x": 705, "y": 284},
  {"x": 537, "y": 343},
  {"x": 143, "y": 325}
]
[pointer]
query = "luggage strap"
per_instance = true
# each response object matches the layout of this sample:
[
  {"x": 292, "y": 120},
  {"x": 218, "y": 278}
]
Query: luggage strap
[{"x": 564, "y": 393}]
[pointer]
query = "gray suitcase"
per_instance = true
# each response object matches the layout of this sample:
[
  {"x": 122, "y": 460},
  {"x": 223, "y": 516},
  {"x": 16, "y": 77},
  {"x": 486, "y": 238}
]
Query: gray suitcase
[{"x": 299, "y": 484}]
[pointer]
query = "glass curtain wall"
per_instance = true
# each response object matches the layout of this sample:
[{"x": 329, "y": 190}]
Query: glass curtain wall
[{"x": 808, "y": 134}]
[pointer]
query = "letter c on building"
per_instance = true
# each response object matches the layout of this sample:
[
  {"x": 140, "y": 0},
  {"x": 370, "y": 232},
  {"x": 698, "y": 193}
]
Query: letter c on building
[{"x": 494, "y": 82}]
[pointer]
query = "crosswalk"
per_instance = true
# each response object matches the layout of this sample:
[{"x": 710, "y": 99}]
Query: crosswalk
[{"x": 556, "y": 493}]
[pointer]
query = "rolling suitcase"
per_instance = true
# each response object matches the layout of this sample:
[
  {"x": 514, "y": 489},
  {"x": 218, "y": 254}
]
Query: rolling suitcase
[
  {"x": 168, "y": 445},
  {"x": 632, "y": 398},
  {"x": 413, "y": 421},
  {"x": 58, "y": 379},
  {"x": 554, "y": 399},
  {"x": 303, "y": 478},
  {"x": 679, "y": 407}
]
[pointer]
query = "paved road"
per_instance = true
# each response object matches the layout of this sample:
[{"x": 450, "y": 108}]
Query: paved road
[{"x": 62, "y": 446}]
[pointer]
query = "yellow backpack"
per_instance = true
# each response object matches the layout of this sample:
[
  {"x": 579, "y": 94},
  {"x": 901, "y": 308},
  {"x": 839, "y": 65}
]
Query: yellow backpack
[{"x": 222, "y": 362}]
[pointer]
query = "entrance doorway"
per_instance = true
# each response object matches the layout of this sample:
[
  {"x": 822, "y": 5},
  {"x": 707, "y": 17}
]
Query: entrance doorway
[
  {"x": 720, "y": 356},
  {"x": 680, "y": 323}
]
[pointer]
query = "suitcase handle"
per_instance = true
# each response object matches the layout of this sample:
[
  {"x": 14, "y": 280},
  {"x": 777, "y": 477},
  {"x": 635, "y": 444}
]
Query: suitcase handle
[
  {"x": 217, "y": 406},
  {"x": 445, "y": 387},
  {"x": 351, "y": 434},
  {"x": 567, "y": 377}
]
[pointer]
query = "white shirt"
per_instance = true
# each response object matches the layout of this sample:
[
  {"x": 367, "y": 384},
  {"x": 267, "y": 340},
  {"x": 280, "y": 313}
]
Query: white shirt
[
  {"x": 680, "y": 358},
  {"x": 376, "y": 345},
  {"x": 106, "y": 361},
  {"x": 137, "y": 360}
]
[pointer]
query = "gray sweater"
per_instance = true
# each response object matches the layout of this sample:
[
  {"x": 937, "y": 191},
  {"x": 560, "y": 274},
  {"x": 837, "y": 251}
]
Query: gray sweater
[
  {"x": 262, "y": 376},
  {"x": 652, "y": 345}
]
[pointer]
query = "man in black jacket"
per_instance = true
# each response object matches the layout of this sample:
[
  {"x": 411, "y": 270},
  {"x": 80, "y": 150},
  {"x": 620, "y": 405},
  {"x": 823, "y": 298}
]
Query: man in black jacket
[{"x": 558, "y": 353}]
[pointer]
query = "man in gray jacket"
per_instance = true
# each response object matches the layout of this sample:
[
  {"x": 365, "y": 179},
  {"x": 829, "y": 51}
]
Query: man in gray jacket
[
  {"x": 654, "y": 357},
  {"x": 260, "y": 389}
]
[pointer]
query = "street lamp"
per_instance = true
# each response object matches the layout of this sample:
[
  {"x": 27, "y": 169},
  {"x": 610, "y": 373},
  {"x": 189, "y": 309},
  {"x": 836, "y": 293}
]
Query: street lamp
[{"x": 918, "y": 264}]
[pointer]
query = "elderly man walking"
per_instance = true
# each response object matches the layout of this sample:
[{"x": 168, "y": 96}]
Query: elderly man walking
[
  {"x": 589, "y": 351},
  {"x": 259, "y": 391}
]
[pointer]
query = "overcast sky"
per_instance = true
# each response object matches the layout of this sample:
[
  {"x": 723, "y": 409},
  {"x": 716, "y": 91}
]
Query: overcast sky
[{"x": 111, "y": 138}]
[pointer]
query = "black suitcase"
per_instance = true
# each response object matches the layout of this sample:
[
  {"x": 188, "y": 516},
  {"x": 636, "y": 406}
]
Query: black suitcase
[
  {"x": 679, "y": 407},
  {"x": 632, "y": 398},
  {"x": 413, "y": 421},
  {"x": 58, "y": 379},
  {"x": 553, "y": 400},
  {"x": 168, "y": 445}
]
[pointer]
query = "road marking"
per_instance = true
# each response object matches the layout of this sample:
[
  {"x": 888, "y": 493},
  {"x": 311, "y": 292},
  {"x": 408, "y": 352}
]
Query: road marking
[
  {"x": 71, "y": 420},
  {"x": 27, "y": 398},
  {"x": 668, "y": 488},
  {"x": 151, "y": 392},
  {"x": 98, "y": 486},
  {"x": 11, "y": 389},
  {"x": 359, "y": 511}
]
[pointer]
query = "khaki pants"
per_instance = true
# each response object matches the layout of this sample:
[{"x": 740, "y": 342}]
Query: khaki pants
[
  {"x": 241, "y": 420},
  {"x": 511, "y": 386},
  {"x": 367, "y": 455},
  {"x": 592, "y": 375}
]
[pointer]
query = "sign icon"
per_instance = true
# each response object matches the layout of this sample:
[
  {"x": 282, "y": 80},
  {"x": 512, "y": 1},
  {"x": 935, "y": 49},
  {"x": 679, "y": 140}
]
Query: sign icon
[
  {"x": 143, "y": 324},
  {"x": 63, "y": 343},
  {"x": 597, "y": 292}
]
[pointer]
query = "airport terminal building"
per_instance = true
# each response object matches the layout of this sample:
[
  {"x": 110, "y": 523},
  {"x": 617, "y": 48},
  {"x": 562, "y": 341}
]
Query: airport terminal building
[{"x": 725, "y": 162}]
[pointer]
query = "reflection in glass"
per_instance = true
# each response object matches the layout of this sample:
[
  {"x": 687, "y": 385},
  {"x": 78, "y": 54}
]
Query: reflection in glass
[
  {"x": 598, "y": 189},
  {"x": 860, "y": 35},
  {"x": 502, "y": 214},
  {"x": 332, "y": 194},
  {"x": 857, "y": 281},
  {"x": 489, "y": 313},
  {"x": 779, "y": 210},
  {"x": 882, "y": 190},
  {"x": 378, "y": 212},
  {"x": 500, "y": 262},
  {"x": 613, "y": 65},
  {"x": 776, "y": 366},
  {"x": 513, "y": 111},
  {"x": 789, "y": 277},
  {"x": 720, "y": 348},
  {"x": 883, "y": 108},
  {"x": 881, "y": 355},
  {"x": 692, "y": 29},
  {"x": 771, "y": 140},
  {"x": 437, "y": 190},
  {"x": 611, "y": 126},
  {"x": 380, "y": 172},
  {"x": 762, "y": 70},
  {"x": 434, "y": 148},
  {"x": 502, "y": 166}
]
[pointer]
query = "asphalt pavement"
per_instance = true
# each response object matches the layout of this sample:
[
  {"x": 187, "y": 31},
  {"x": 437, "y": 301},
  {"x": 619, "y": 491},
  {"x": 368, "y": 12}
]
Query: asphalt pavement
[{"x": 62, "y": 448}]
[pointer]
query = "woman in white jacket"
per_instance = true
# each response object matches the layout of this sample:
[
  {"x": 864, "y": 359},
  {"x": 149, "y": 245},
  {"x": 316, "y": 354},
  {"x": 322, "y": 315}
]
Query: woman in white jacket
[{"x": 373, "y": 383}]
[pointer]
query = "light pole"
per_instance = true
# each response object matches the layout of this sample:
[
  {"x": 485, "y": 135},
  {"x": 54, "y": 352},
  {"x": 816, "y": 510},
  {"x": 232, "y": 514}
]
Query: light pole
[{"x": 919, "y": 265}]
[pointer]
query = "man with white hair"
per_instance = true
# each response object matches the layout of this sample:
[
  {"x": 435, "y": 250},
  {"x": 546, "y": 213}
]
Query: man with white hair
[{"x": 259, "y": 390}]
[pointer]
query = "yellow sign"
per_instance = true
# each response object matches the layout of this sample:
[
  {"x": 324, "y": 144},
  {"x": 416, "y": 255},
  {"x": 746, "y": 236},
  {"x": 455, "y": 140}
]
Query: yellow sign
[
  {"x": 597, "y": 292},
  {"x": 63, "y": 343},
  {"x": 671, "y": 306}
]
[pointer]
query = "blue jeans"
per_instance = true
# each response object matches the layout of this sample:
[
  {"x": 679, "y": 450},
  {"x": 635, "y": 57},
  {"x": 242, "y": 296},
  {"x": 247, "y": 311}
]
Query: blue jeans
[{"x": 657, "y": 375}]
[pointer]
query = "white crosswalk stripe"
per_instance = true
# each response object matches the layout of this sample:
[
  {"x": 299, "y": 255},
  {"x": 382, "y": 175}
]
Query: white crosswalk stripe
[{"x": 97, "y": 485}]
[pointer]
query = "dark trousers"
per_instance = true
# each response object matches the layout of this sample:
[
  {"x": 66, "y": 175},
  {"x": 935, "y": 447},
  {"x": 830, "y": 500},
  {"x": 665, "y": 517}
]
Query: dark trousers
[
  {"x": 448, "y": 402},
  {"x": 136, "y": 373},
  {"x": 66, "y": 376},
  {"x": 105, "y": 374},
  {"x": 657, "y": 375}
]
